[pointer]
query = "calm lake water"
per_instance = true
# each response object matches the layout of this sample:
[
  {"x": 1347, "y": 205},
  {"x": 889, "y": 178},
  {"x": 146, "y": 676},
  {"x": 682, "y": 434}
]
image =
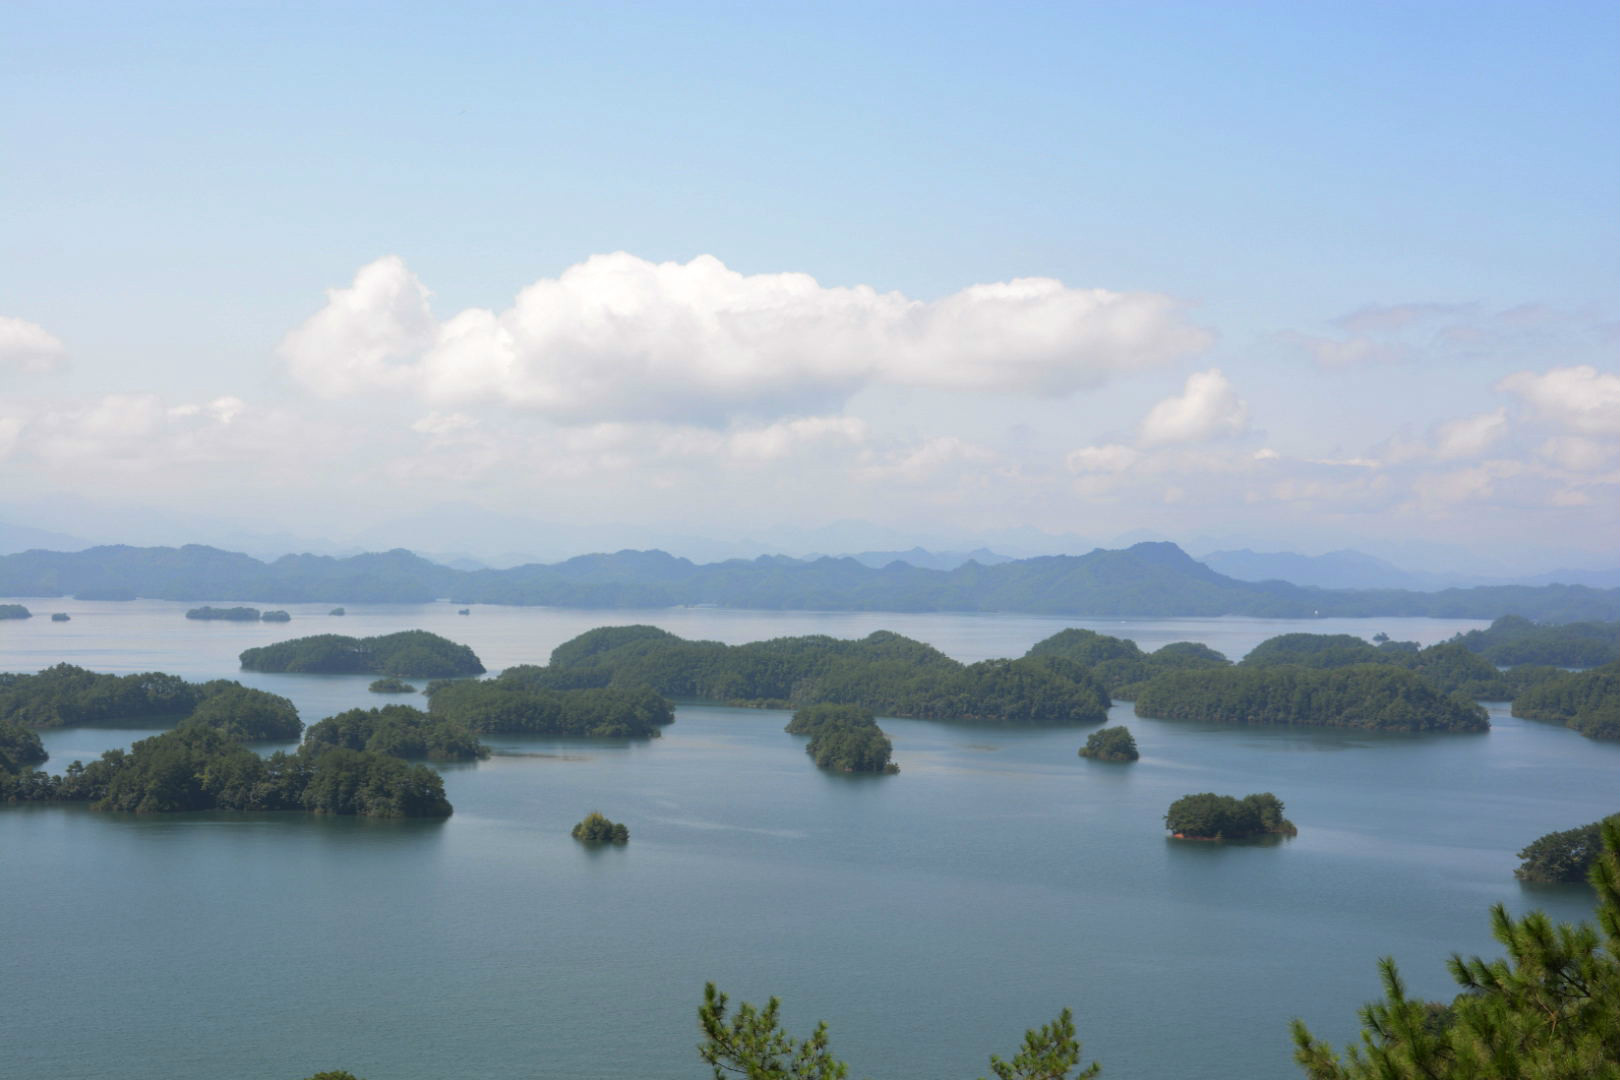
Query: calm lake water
[{"x": 928, "y": 917}]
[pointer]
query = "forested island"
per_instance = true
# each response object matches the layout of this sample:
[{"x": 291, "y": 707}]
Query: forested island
[
  {"x": 409, "y": 654},
  {"x": 1145, "y": 580},
  {"x": 885, "y": 673},
  {"x": 1222, "y": 817},
  {"x": 390, "y": 685},
  {"x": 61, "y": 616},
  {"x": 1588, "y": 701},
  {"x": 20, "y": 748},
  {"x": 14, "y": 611},
  {"x": 226, "y": 614},
  {"x": 399, "y": 730},
  {"x": 204, "y": 768},
  {"x": 1564, "y": 857},
  {"x": 1111, "y": 744},
  {"x": 1373, "y": 697},
  {"x": 1118, "y": 664},
  {"x": 1512, "y": 640},
  {"x": 844, "y": 738},
  {"x": 523, "y": 701},
  {"x": 70, "y": 696},
  {"x": 595, "y": 830}
]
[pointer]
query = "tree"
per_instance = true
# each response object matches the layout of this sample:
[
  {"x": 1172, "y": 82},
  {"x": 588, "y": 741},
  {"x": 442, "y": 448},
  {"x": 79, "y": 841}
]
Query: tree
[
  {"x": 1111, "y": 744},
  {"x": 1549, "y": 1010},
  {"x": 752, "y": 1044},
  {"x": 596, "y": 829}
]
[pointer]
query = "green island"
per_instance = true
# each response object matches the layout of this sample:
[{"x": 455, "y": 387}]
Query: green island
[
  {"x": 1118, "y": 664},
  {"x": 20, "y": 748},
  {"x": 1372, "y": 697},
  {"x": 1111, "y": 744},
  {"x": 399, "y": 730},
  {"x": 226, "y": 614},
  {"x": 596, "y": 830},
  {"x": 844, "y": 738},
  {"x": 204, "y": 768},
  {"x": 390, "y": 685},
  {"x": 520, "y": 701},
  {"x": 1587, "y": 701},
  {"x": 70, "y": 696},
  {"x": 1513, "y": 639},
  {"x": 1208, "y": 816},
  {"x": 1564, "y": 857},
  {"x": 885, "y": 673},
  {"x": 409, "y": 654},
  {"x": 337, "y": 611},
  {"x": 14, "y": 611},
  {"x": 61, "y": 616},
  {"x": 275, "y": 616}
]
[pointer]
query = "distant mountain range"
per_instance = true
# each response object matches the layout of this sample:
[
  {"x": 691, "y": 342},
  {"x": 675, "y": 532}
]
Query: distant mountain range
[
  {"x": 927, "y": 560},
  {"x": 1147, "y": 579},
  {"x": 1358, "y": 570}
]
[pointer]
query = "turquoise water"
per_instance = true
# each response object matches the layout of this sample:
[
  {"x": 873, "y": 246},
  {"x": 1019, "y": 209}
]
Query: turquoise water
[{"x": 929, "y": 917}]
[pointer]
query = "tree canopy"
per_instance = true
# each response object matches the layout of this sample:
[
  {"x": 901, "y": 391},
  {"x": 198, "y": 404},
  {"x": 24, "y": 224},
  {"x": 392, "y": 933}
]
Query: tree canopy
[
  {"x": 204, "y": 768},
  {"x": 69, "y": 696},
  {"x": 1563, "y": 857},
  {"x": 1111, "y": 744},
  {"x": 1548, "y": 1010},
  {"x": 595, "y": 829},
  {"x": 409, "y": 654},
  {"x": 1588, "y": 701},
  {"x": 1222, "y": 817},
  {"x": 399, "y": 730},
  {"x": 1514, "y": 639},
  {"x": 884, "y": 673},
  {"x": 1376, "y": 697},
  {"x": 517, "y": 702}
]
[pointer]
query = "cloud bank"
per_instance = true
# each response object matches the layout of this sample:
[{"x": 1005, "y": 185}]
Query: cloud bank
[{"x": 619, "y": 338}]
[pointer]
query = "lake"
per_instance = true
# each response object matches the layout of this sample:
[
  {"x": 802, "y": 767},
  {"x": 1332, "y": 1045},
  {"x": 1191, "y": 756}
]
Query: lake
[{"x": 929, "y": 917}]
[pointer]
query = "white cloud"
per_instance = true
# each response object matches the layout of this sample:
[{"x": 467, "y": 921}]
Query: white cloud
[
  {"x": 1469, "y": 437},
  {"x": 1581, "y": 399},
  {"x": 1207, "y": 408},
  {"x": 1109, "y": 458},
  {"x": 619, "y": 338},
  {"x": 1577, "y": 454},
  {"x": 359, "y": 340},
  {"x": 779, "y": 440},
  {"x": 929, "y": 457},
  {"x": 28, "y": 347}
]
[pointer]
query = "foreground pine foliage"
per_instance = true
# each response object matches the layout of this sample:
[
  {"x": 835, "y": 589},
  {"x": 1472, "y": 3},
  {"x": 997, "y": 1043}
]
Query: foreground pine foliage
[{"x": 1548, "y": 1010}]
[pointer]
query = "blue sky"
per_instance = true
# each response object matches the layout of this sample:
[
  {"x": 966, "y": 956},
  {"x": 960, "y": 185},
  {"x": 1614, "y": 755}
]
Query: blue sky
[{"x": 186, "y": 182}]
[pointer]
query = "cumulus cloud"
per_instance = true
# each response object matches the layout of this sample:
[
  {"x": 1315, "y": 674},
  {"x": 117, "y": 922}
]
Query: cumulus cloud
[
  {"x": 1576, "y": 454},
  {"x": 1580, "y": 399},
  {"x": 1109, "y": 458},
  {"x": 1470, "y": 436},
  {"x": 28, "y": 347},
  {"x": 1207, "y": 408},
  {"x": 619, "y": 338}
]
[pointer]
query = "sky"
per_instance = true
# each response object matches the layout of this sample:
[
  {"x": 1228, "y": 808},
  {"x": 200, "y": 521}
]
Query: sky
[{"x": 1286, "y": 276}]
